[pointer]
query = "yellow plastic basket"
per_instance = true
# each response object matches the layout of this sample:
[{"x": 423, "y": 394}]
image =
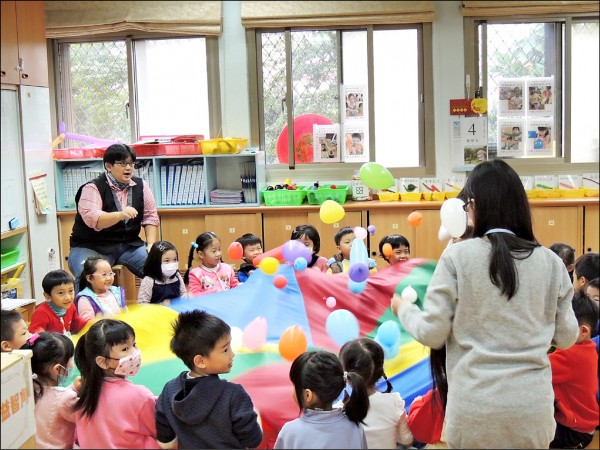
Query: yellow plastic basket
[
  {"x": 548, "y": 193},
  {"x": 452, "y": 194},
  {"x": 591, "y": 192},
  {"x": 388, "y": 196},
  {"x": 572, "y": 193},
  {"x": 532, "y": 193},
  {"x": 411, "y": 196},
  {"x": 223, "y": 146}
]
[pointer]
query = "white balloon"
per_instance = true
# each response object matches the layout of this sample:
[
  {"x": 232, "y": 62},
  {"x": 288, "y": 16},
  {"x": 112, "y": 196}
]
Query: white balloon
[
  {"x": 236, "y": 338},
  {"x": 408, "y": 293},
  {"x": 443, "y": 234},
  {"x": 453, "y": 216},
  {"x": 360, "y": 232}
]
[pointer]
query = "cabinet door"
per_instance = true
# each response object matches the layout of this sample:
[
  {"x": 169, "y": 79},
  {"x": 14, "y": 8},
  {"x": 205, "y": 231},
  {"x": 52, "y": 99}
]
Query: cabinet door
[
  {"x": 327, "y": 231},
  {"x": 229, "y": 227},
  {"x": 181, "y": 231},
  {"x": 31, "y": 33},
  {"x": 590, "y": 236},
  {"x": 278, "y": 226},
  {"x": 10, "y": 51},
  {"x": 427, "y": 244},
  {"x": 65, "y": 227},
  {"x": 558, "y": 224},
  {"x": 389, "y": 222}
]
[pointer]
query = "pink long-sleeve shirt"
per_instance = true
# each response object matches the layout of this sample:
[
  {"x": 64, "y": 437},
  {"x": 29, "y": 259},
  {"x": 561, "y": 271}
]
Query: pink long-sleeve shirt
[
  {"x": 203, "y": 280},
  {"x": 90, "y": 204},
  {"x": 124, "y": 417},
  {"x": 55, "y": 418}
]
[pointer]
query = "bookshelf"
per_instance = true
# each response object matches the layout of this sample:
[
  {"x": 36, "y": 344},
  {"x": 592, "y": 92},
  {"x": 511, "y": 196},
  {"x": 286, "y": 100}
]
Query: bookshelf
[{"x": 182, "y": 181}]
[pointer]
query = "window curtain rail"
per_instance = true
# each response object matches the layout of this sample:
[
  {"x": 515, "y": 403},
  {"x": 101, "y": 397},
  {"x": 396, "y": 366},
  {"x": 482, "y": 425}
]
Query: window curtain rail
[
  {"x": 75, "y": 19},
  {"x": 261, "y": 14},
  {"x": 519, "y": 8}
]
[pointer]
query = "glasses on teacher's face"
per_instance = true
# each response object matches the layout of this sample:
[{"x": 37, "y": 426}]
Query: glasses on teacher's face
[{"x": 134, "y": 165}]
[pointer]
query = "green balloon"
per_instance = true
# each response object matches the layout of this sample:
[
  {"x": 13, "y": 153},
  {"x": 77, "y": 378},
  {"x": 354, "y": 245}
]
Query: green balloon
[{"x": 375, "y": 176}]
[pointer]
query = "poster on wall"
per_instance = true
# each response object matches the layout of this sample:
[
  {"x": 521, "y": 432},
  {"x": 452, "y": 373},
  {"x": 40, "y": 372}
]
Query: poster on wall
[
  {"x": 354, "y": 102},
  {"x": 540, "y": 137},
  {"x": 325, "y": 143},
  {"x": 510, "y": 97},
  {"x": 511, "y": 142},
  {"x": 540, "y": 96},
  {"x": 356, "y": 143}
]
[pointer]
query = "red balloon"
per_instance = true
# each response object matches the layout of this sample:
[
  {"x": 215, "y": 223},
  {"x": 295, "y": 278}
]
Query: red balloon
[
  {"x": 415, "y": 219},
  {"x": 235, "y": 251},
  {"x": 292, "y": 343},
  {"x": 303, "y": 138},
  {"x": 280, "y": 281}
]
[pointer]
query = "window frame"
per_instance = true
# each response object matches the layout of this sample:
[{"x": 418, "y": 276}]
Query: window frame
[
  {"x": 213, "y": 76},
  {"x": 427, "y": 154},
  {"x": 533, "y": 166}
]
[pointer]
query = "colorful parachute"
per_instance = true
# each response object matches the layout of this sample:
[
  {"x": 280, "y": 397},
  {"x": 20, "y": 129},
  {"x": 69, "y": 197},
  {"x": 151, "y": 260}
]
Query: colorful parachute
[{"x": 263, "y": 372}]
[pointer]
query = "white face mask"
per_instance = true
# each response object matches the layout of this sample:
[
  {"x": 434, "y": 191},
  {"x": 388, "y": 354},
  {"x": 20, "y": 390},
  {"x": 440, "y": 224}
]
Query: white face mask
[
  {"x": 130, "y": 364},
  {"x": 169, "y": 269}
]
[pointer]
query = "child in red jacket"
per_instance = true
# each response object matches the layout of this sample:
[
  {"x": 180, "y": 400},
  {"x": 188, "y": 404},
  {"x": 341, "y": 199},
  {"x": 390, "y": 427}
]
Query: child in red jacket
[
  {"x": 58, "y": 313},
  {"x": 575, "y": 382}
]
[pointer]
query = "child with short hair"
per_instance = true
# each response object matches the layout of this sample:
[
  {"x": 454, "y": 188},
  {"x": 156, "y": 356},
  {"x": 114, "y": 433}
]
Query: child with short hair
[
  {"x": 587, "y": 267},
  {"x": 162, "y": 281},
  {"x": 386, "y": 423},
  {"x": 213, "y": 275},
  {"x": 58, "y": 313},
  {"x": 575, "y": 382},
  {"x": 567, "y": 254},
  {"x": 252, "y": 247},
  {"x": 98, "y": 296},
  {"x": 52, "y": 366},
  {"x": 112, "y": 412},
  {"x": 340, "y": 262},
  {"x": 197, "y": 409},
  {"x": 13, "y": 329},
  {"x": 319, "y": 378},
  {"x": 309, "y": 236},
  {"x": 400, "y": 248}
]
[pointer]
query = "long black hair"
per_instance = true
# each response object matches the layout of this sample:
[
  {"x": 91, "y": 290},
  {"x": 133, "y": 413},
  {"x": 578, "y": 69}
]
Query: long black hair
[
  {"x": 365, "y": 356},
  {"x": 488, "y": 182},
  {"x": 153, "y": 264}
]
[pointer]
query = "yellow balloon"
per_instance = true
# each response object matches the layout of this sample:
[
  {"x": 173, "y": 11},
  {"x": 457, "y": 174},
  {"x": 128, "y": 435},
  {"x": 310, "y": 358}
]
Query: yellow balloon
[
  {"x": 331, "y": 212},
  {"x": 269, "y": 265}
]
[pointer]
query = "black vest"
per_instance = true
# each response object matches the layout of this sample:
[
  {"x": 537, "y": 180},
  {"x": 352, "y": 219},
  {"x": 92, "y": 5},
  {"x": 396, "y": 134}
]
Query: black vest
[{"x": 103, "y": 241}]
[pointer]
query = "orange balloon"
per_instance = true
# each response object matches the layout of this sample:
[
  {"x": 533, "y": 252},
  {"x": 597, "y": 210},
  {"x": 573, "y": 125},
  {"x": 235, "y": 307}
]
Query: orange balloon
[
  {"x": 235, "y": 250},
  {"x": 415, "y": 219},
  {"x": 280, "y": 281},
  {"x": 292, "y": 343},
  {"x": 387, "y": 249}
]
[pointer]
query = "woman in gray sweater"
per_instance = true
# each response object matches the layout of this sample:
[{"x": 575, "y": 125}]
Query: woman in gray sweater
[{"x": 498, "y": 302}]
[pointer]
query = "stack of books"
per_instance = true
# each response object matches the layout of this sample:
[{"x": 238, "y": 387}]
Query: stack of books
[
  {"x": 248, "y": 173},
  {"x": 226, "y": 196}
]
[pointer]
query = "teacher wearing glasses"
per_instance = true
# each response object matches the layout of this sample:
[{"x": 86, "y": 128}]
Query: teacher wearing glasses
[{"x": 111, "y": 211}]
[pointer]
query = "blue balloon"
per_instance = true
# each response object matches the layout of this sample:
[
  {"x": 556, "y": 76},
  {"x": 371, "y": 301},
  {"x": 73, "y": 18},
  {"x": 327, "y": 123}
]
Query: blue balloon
[
  {"x": 358, "y": 252},
  {"x": 389, "y": 351},
  {"x": 342, "y": 326},
  {"x": 358, "y": 272},
  {"x": 389, "y": 332},
  {"x": 356, "y": 288},
  {"x": 300, "y": 264}
]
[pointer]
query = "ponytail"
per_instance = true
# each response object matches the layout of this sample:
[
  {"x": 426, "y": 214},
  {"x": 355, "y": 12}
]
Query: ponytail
[
  {"x": 356, "y": 405},
  {"x": 186, "y": 276}
]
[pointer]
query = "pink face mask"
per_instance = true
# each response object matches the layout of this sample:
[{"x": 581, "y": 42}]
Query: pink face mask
[{"x": 130, "y": 365}]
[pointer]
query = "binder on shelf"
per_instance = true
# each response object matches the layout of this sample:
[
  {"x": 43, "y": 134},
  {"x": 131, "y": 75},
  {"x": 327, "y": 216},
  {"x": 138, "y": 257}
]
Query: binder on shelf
[
  {"x": 171, "y": 185},
  {"x": 163, "y": 185}
]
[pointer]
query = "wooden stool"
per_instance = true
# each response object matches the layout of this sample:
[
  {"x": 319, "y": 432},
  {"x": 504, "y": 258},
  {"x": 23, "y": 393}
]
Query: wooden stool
[{"x": 126, "y": 279}]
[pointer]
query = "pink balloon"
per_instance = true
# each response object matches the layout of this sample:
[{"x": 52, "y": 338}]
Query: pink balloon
[
  {"x": 255, "y": 333},
  {"x": 331, "y": 302}
]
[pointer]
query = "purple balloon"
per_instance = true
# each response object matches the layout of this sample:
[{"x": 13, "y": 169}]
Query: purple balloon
[
  {"x": 358, "y": 272},
  {"x": 294, "y": 249},
  {"x": 371, "y": 229}
]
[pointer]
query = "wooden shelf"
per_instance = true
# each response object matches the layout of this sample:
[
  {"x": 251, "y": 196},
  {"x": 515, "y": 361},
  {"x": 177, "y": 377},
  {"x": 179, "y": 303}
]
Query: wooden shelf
[{"x": 15, "y": 232}]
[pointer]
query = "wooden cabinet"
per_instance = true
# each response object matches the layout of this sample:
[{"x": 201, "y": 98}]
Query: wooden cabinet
[
  {"x": 388, "y": 221},
  {"x": 278, "y": 226},
  {"x": 229, "y": 227},
  {"x": 558, "y": 224},
  {"x": 181, "y": 230},
  {"x": 24, "y": 56},
  {"x": 590, "y": 232},
  {"x": 426, "y": 242}
]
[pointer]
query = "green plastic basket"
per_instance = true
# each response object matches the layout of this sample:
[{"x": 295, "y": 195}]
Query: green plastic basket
[
  {"x": 284, "y": 197},
  {"x": 318, "y": 196},
  {"x": 9, "y": 257}
]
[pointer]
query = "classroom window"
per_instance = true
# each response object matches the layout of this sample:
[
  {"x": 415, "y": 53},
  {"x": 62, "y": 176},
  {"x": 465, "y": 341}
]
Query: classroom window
[
  {"x": 326, "y": 66},
  {"x": 530, "y": 85},
  {"x": 124, "y": 89}
]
